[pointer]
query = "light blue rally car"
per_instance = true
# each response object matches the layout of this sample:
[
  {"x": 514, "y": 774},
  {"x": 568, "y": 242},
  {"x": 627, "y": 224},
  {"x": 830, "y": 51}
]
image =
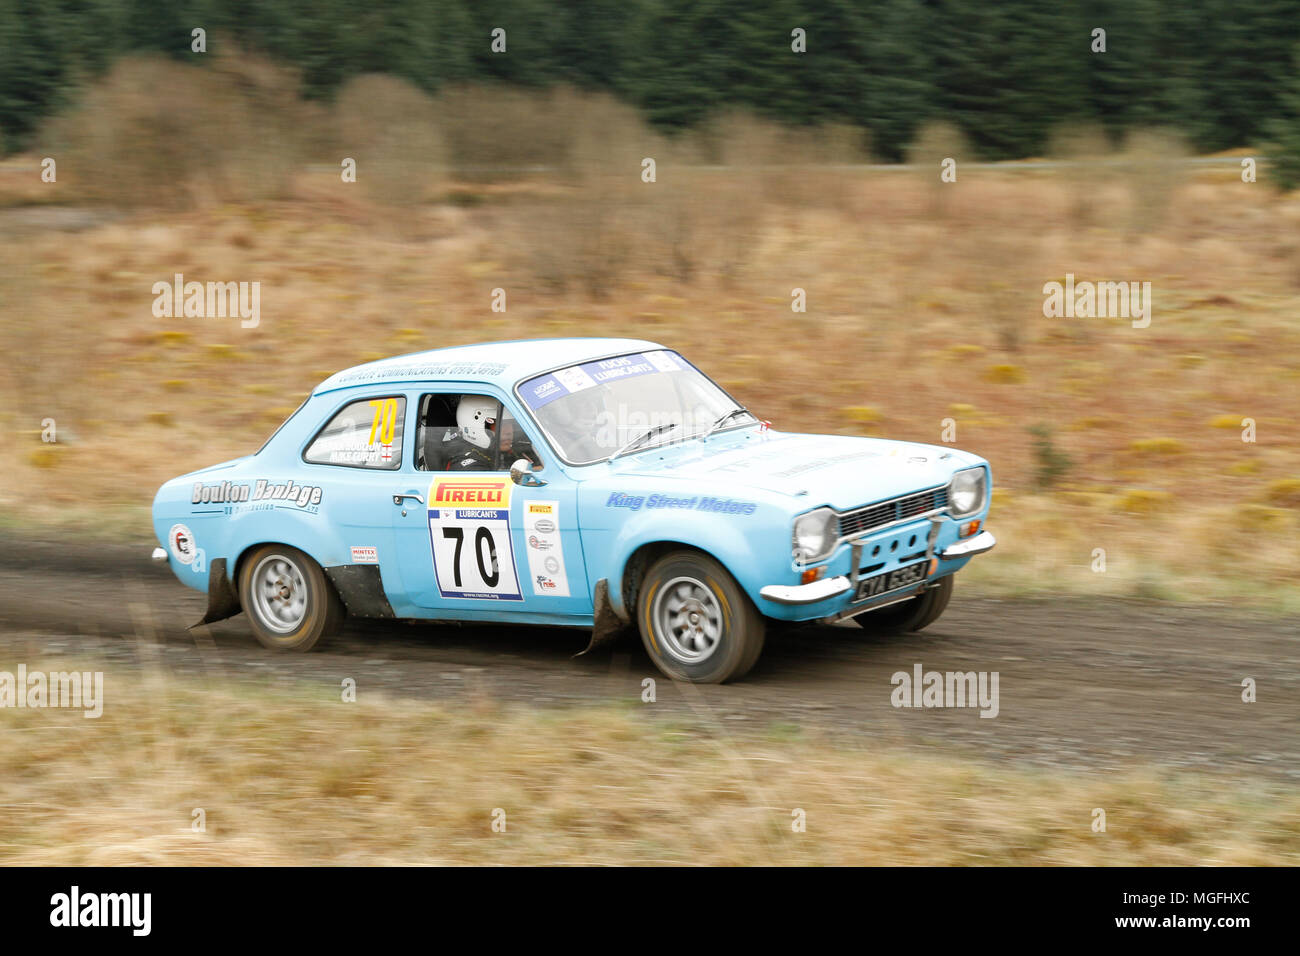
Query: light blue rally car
[{"x": 588, "y": 482}]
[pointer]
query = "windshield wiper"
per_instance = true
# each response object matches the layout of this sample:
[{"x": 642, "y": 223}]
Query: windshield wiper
[
  {"x": 643, "y": 437},
  {"x": 723, "y": 419}
]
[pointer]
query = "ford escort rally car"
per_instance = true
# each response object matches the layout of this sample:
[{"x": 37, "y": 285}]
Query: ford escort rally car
[{"x": 588, "y": 482}]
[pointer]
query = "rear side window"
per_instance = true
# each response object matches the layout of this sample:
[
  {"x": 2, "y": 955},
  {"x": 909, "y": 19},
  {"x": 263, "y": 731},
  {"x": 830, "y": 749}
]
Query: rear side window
[{"x": 366, "y": 433}]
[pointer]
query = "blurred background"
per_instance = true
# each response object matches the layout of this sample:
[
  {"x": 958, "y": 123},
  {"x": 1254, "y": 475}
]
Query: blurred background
[{"x": 1174, "y": 449}]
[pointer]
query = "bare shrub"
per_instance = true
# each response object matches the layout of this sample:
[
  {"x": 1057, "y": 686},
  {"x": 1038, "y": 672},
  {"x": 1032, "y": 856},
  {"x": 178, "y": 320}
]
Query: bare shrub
[
  {"x": 390, "y": 128},
  {"x": 934, "y": 143},
  {"x": 1154, "y": 169},
  {"x": 1085, "y": 157},
  {"x": 496, "y": 132},
  {"x": 155, "y": 133},
  {"x": 605, "y": 221}
]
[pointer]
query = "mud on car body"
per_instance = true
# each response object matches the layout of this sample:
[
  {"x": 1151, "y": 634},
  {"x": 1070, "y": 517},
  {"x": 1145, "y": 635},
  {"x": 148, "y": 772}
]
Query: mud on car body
[{"x": 617, "y": 486}]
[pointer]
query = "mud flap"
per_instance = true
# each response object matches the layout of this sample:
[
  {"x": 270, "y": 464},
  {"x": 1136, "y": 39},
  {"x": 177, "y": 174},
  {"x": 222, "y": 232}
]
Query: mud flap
[
  {"x": 608, "y": 626},
  {"x": 361, "y": 588},
  {"x": 223, "y": 602}
]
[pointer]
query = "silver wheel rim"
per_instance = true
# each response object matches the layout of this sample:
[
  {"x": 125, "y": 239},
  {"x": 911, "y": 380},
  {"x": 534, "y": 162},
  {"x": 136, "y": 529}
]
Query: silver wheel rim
[
  {"x": 688, "y": 619},
  {"x": 279, "y": 593}
]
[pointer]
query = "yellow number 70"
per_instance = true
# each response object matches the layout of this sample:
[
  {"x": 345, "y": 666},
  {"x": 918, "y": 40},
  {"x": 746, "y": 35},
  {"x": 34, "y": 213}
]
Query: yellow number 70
[{"x": 385, "y": 420}]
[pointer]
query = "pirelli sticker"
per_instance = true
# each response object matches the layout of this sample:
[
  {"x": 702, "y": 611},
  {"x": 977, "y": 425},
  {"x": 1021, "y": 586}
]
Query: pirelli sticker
[
  {"x": 469, "y": 534},
  {"x": 545, "y": 549}
]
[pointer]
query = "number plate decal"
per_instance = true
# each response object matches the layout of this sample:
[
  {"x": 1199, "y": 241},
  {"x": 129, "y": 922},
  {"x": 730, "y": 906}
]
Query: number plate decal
[
  {"x": 891, "y": 581},
  {"x": 469, "y": 532}
]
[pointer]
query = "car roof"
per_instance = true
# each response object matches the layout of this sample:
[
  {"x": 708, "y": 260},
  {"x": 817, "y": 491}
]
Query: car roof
[{"x": 501, "y": 363}]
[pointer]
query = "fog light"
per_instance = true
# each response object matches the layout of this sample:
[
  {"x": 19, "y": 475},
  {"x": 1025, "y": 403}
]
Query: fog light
[{"x": 812, "y": 574}]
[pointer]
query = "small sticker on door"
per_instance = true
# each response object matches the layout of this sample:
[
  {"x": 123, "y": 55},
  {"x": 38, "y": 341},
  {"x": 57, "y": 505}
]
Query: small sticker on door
[
  {"x": 545, "y": 550},
  {"x": 365, "y": 555}
]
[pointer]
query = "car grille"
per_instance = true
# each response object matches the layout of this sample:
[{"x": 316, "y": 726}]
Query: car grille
[{"x": 853, "y": 523}]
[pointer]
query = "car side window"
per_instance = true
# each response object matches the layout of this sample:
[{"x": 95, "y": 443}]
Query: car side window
[
  {"x": 465, "y": 432},
  {"x": 366, "y": 433}
]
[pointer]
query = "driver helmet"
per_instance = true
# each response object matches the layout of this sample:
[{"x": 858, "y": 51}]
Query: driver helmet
[{"x": 476, "y": 417}]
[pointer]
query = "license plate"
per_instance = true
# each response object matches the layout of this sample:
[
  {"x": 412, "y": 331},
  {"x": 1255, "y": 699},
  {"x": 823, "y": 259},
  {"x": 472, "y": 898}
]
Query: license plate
[{"x": 890, "y": 581}]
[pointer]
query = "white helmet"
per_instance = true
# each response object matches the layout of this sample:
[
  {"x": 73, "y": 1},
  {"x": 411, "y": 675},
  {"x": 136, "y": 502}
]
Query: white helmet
[{"x": 476, "y": 417}]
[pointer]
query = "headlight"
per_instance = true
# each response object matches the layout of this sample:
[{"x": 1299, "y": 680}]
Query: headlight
[
  {"x": 966, "y": 492},
  {"x": 814, "y": 534}
]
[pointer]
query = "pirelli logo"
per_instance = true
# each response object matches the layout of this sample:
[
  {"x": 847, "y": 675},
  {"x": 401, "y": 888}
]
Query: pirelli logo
[
  {"x": 535, "y": 509},
  {"x": 483, "y": 492}
]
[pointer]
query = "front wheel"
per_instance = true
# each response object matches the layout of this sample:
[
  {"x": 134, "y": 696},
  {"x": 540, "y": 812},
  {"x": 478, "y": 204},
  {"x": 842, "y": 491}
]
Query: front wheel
[
  {"x": 696, "y": 623},
  {"x": 289, "y": 603},
  {"x": 911, "y": 615}
]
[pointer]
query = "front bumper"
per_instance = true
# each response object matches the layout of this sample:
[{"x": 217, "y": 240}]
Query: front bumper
[
  {"x": 827, "y": 588},
  {"x": 822, "y": 590},
  {"x": 984, "y": 541}
]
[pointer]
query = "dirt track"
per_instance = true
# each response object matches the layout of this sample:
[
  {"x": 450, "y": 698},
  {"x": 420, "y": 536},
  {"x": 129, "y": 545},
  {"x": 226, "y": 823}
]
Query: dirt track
[{"x": 1086, "y": 685}]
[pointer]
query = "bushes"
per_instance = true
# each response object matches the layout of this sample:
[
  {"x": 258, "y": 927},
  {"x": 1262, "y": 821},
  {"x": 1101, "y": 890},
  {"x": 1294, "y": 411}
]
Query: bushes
[
  {"x": 155, "y": 133},
  {"x": 388, "y": 126}
]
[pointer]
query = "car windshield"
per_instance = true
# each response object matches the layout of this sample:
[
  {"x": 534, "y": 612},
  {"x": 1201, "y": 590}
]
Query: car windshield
[{"x": 596, "y": 410}]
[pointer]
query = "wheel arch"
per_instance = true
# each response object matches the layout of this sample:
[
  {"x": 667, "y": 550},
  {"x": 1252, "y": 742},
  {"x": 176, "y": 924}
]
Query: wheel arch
[{"x": 640, "y": 559}]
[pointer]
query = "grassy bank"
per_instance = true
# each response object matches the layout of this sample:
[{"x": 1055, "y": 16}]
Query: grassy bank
[{"x": 287, "y": 776}]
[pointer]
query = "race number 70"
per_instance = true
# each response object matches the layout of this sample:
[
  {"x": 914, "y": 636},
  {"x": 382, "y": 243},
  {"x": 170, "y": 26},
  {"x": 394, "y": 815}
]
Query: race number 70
[
  {"x": 385, "y": 422},
  {"x": 490, "y": 578}
]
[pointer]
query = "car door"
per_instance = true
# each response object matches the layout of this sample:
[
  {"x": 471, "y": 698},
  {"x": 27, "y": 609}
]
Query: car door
[
  {"x": 357, "y": 457},
  {"x": 478, "y": 546}
]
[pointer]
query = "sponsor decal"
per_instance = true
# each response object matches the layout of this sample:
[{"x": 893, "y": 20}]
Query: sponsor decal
[
  {"x": 384, "y": 371},
  {"x": 547, "y": 388},
  {"x": 729, "y": 506},
  {"x": 814, "y": 464},
  {"x": 364, "y": 555},
  {"x": 469, "y": 533},
  {"x": 545, "y": 548},
  {"x": 574, "y": 379},
  {"x": 261, "y": 489},
  {"x": 482, "y": 491},
  {"x": 181, "y": 542}
]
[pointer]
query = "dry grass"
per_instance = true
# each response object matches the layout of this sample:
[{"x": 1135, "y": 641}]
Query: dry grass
[
  {"x": 922, "y": 307},
  {"x": 291, "y": 777}
]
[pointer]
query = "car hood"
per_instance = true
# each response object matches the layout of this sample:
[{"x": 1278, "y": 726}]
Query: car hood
[{"x": 840, "y": 471}]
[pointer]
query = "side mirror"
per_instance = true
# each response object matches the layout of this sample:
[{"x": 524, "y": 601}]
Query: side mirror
[{"x": 521, "y": 473}]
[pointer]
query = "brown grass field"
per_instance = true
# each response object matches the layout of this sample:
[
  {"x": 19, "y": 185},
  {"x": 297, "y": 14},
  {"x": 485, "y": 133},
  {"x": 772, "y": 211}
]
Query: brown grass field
[
  {"x": 285, "y": 776},
  {"x": 924, "y": 304},
  {"x": 924, "y": 311}
]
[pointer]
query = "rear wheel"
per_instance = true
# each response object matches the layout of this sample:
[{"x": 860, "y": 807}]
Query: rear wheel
[
  {"x": 911, "y": 615},
  {"x": 696, "y": 623},
  {"x": 289, "y": 603}
]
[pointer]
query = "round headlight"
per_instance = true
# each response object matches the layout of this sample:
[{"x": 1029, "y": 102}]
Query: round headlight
[
  {"x": 966, "y": 492},
  {"x": 814, "y": 534}
]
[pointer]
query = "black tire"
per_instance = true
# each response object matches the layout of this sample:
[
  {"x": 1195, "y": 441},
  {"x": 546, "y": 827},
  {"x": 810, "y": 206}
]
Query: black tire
[
  {"x": 298, "y": 578},
  {"x": 921, "y": 611},
  {"x": 725, "y": 637}
]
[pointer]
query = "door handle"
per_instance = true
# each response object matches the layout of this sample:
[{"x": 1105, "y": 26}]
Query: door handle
[{"x": 397, "y": 499}]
